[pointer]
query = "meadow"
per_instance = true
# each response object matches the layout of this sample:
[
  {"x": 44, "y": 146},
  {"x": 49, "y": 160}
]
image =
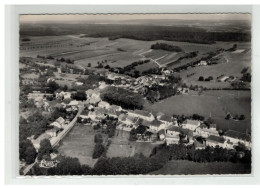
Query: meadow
[
  {"x": 192, "y": 168},
  {"x": 210, "y": 103},
  {"x": 79, "y": 143}
]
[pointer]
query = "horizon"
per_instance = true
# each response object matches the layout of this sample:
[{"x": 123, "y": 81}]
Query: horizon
[{"x": 131, "y": 17}]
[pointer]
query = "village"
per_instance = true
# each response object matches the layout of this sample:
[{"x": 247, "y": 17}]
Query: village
[{"x": 143, "y": 126}]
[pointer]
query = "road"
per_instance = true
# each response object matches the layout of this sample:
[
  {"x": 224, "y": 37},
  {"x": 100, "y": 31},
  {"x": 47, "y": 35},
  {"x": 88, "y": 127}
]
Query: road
[
  {"x": 153, "y": 60},
  {"x": 55, "y": 140}
]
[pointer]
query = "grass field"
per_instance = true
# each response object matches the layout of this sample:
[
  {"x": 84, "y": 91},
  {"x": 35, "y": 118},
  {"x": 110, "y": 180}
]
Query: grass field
[
  {"x": 216, "y": 103},
  {"x": 79, "y": 143},
  {"x": 192, "y": 168},
  {"x": 120, "y": 146}
]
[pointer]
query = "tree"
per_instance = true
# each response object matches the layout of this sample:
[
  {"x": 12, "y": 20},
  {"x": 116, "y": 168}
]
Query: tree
[
  {"x": 98, "y": 150},
  {"x": 79, "y": 95},
  {"x": 27, "y": 151},
  {"x": 53, "y": 86},
  {"x": 201, "y": 78},
  {"x": 89, "y": 64},
  {"x": 45, "y": 149}
]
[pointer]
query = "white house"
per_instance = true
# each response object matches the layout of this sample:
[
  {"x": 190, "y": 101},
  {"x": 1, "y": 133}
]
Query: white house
[
  {"x": 172, "y": 135},
  {"x": 191, "y": 124},
  {"x": 79, "y": 83},
  {"x": 103, "y": 104},
  {"x": 236, "y": 137},
  {"x": 52, "y": 132},
  {"x": 205, "y": 131},
  {"x": 56, "y": 124},
  {"x": 61, "y": 121},
  {"x": 142, "y": 114},
  {"x": 167, "y": 121},
  {"x": 73, "y": 103}
]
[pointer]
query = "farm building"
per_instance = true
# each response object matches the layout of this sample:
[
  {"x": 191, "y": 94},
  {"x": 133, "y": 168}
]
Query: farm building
[
  {"x": 214, "y": 141},
  {"x": 141, "y": 114},
  {"x": 191, "y": 124},
  {"x": 236, "y": 137}
]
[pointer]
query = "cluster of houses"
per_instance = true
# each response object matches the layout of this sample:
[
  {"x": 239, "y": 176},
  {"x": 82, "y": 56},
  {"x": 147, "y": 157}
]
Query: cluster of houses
[
  {"x": 55, "y": 127},
  {"x": 165, "y": 128}
]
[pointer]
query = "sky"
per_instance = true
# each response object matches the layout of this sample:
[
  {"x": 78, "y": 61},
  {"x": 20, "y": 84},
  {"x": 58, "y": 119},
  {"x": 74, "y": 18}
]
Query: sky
[{"x": 121, "y": 17}]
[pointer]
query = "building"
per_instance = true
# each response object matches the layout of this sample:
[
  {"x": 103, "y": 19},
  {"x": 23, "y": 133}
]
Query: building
[
  {"x": 199, "y": 144},
  {"x": 214, "y": 141},
  {"x": 155, "y": 126},
  {"x": 102, "y": 85},
  {"x": 236, "y": 137},
  {"x": 73, "y": 103},
  {"x": 142, "y": 114},
  {"x": 203, "y": 63},
  {"x": 167, "y": 121},
  {"x": 116, "y": 108},
  {"x": 205, "y": 131},
  {"x": 191, "y": 124},
  {"x": 103, "y": 104},
  {"x": 52, "y": 132},
  {"x": 84, "y": 114},
  {"x": 61, "y": 121},
  {"x": 222, "y": 78},
  {"x": 172, "y": 135},
  {"x": 79, "y": 83}
]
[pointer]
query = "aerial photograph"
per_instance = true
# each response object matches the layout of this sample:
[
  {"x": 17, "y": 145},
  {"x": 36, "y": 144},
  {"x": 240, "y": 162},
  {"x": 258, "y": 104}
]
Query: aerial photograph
[{"x": 134, "y": 94}]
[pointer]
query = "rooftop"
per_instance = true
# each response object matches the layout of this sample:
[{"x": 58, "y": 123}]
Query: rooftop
[
  {"x": 156, "y": 123},
  {"x": 166, "y": 118},
  {"x": 141, "y": 112},
  {"x": 214, "y": 138},
  {"x": 192, "y": 122},
  {"x": 238, "y": 135}
]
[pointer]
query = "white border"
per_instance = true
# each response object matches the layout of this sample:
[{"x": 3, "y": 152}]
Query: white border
[{"x": 12, "y": 89}]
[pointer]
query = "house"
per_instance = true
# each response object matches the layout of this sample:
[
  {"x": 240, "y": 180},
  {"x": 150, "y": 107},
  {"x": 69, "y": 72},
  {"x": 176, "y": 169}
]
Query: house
[
  {"x": 155, "y": 126},
  {"x": 36, "y": 142},
  {"x": 112, "y": 113},
  {"x": 142, "y": 114},
  {"x": 84, "y": 114},
  {"x": 205, "y": 131},
  {"x": 162, "y": 134},
  {"x": 222, "y": 78},
  {"x": 236, "y": 137},
  {"x": 79, "y": 83},
  {"x": 167, "y": 121},
  {"x": 52, "y": 132},
  {"x": 122, "y": 117},
  {"x": 214, "y": 141},
  {"x": 56, "y": 124},
  {"x": 191, "y": 124},
  {"x": 116, "y": 108},
  {"x": 199, "y": 143},
  {"x": 172, "y": 135},
  {"x": 73, "y": 103},
  {"x": 146, "y": 137},
  {"x": 61, "y": 121},
  {"x": 103, "y": 104},
  {"x": 203, "y": 63},
  {"x": 102, "y": 85}
]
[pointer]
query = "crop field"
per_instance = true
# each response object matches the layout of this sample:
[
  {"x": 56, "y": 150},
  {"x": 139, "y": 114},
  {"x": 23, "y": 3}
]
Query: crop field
[
  {"x": 120, "y": 145},
  {"x": 214, "y": 103},
  {"x": 191, "y": 168},
  {"x": 79, "y": 143}
]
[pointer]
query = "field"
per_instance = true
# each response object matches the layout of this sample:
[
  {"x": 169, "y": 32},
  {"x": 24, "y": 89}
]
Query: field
[
  {"x": 192, "y": 168},
  {"x": 79, "y": 143},
  {"x": 214, "y": 103},
  {"x": 233, "y": 67},
  {"x": 121, "y": 146}
]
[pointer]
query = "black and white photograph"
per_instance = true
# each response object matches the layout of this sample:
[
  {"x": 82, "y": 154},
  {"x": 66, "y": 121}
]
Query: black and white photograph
[{"x": 135, "y": 94}]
